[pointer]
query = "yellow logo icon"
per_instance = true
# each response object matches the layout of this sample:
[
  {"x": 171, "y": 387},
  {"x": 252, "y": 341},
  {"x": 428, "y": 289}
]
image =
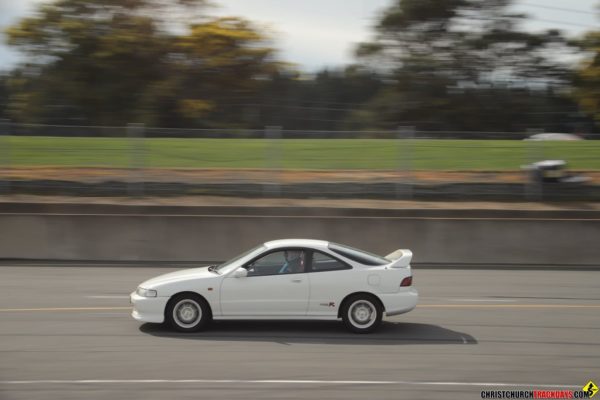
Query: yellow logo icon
[{"x": 590, "y": 388}]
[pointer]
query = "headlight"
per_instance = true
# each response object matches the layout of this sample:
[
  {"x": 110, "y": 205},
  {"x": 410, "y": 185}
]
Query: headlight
[{"x": 145, "y": 292}]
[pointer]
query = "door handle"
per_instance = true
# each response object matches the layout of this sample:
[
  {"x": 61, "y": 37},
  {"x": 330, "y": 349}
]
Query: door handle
[{"x": 296, "y": 280}]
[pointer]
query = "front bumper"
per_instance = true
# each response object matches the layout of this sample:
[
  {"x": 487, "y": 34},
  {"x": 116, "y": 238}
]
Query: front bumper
[
  {"x": 148, "y": 309},
  {"x": 401, "y": 302}
]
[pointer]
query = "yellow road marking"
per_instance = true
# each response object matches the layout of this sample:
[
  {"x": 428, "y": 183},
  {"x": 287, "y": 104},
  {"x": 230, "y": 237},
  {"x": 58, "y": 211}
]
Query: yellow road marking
[
  {"x": 508, "y": 306},
  {"x": 65, "y": 309}
]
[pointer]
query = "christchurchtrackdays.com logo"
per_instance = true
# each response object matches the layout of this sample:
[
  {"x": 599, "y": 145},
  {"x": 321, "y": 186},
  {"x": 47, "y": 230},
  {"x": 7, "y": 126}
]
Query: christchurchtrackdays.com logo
[{"x": 588, "y": 391}]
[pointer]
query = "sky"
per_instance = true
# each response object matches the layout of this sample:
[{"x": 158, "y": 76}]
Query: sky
[{"x": 323, "y": 33}]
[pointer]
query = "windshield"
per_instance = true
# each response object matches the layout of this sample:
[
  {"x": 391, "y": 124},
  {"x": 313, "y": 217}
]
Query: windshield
[
  {"x": 223, "y": 268},
  {"x": 357, "y": 255}
]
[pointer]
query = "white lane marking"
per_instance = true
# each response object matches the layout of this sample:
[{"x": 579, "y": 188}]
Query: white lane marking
[
  {"x": 107, "y": 297},
  {"x": 484, "y": 300},
  {"x": 285, "y": 382},
  {"x": 470, "y": 299}
]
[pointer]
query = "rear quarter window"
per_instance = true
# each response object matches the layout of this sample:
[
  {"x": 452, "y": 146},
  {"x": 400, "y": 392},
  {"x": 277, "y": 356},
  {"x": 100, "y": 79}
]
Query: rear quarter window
[
  {"x": 357, "y": 255},
  {"x": 322, "y": 263}
]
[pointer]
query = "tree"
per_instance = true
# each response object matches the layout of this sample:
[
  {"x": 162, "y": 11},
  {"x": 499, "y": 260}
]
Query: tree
[
  {"x": 453, "y": 62},
  {"x": 116, "y": 61},
  {"x": 588, "y": 77},
  {"x": 217, "y": 61},
  {"x": 319, "y": 101},
  {"x": 3, "y": 94}
]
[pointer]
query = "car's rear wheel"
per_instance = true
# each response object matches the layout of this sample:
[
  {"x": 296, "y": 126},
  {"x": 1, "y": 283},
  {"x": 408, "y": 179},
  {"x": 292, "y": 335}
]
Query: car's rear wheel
[
  {"x": 362, "y": 313},
  {"x": 188, "y": 312}
]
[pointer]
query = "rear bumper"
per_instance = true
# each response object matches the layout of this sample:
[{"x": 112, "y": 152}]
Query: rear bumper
[
  {"x": 148, "y": 309},
  {"x": 401, "y": 302}
]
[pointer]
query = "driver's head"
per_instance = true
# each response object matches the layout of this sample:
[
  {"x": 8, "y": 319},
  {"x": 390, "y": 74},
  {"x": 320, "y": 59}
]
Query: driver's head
[{"x": 292, "y": 255}]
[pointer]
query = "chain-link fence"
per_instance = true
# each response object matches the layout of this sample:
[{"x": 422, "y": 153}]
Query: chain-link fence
[{"x": 273, "y": 162}]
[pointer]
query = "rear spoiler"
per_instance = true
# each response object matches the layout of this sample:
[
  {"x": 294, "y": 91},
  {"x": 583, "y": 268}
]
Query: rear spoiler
[{"x": 400, "y": 258}]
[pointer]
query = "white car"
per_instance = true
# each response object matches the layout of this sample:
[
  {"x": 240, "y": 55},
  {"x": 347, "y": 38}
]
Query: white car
[{"x": 283, "y": 279}]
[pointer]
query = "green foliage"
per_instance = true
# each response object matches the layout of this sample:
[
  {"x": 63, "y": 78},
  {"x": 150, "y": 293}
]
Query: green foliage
[
  {"x": 3, "y": 95},
  {"x": 319, "y": 102},
  {"x": 434, "y": 64},
  {"x": 455, "y": 63},
  {"x": 588, "y": 77},
  {"x": 112, "y": 61},
  {"x": 217, "y": 60}
]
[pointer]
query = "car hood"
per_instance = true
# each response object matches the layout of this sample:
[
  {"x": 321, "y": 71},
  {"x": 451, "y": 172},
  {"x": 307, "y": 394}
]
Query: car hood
[{"x": 178, "y": 276}]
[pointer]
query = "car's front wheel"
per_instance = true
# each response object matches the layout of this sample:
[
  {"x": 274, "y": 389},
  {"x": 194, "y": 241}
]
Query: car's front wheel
[
  {"x": 362, "y": 313},
  {"x": 188, "y": 312}
]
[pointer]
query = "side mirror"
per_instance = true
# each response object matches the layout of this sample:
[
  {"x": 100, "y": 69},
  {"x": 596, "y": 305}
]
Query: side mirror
[{"x": 240, "y": 273}]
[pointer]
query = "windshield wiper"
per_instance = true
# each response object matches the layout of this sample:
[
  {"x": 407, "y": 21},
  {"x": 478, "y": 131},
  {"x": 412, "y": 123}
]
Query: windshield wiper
[{"x": 211, "y": 268}]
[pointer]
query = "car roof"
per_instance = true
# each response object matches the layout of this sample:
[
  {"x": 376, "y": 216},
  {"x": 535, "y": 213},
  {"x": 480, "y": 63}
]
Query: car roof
[{"x": 273, "y": 244}]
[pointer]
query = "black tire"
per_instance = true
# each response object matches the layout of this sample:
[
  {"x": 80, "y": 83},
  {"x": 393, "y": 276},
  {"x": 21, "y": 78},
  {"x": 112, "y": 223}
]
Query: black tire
[
  {"x": 188, "y": 312},
  {"x": 362, "y": 313}
]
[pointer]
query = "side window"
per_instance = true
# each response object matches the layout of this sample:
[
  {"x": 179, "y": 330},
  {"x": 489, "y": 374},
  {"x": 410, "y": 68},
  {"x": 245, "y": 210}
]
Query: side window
[
  {"x": 279, "y": 262},
  {"x": 322, "y": 262}
]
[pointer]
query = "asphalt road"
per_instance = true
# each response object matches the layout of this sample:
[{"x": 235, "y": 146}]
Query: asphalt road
[{"x": 66, "y": 334}]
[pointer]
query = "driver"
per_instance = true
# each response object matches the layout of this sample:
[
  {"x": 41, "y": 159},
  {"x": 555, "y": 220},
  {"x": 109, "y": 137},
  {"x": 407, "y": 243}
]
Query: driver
[{"x": 294, "y": 262}]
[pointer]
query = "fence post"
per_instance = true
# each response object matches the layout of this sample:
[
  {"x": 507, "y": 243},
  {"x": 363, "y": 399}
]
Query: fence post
[
  {"x": 404, "y": 187},
  {"x": 5, "y": 156},
  {"x": 273, "y": 152},
  {"x": 135, "y": 134},
  {"x": 534, "y": 190}
]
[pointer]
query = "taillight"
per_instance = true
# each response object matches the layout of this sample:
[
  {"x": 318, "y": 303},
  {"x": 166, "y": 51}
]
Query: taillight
[{"x": 406, "y": 281}]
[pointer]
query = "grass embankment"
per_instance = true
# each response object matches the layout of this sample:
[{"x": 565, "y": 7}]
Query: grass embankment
[{"x": 325, "y": 154}]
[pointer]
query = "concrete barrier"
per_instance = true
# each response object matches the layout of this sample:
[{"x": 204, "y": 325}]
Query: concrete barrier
[{"x": 183, "y": 234}]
